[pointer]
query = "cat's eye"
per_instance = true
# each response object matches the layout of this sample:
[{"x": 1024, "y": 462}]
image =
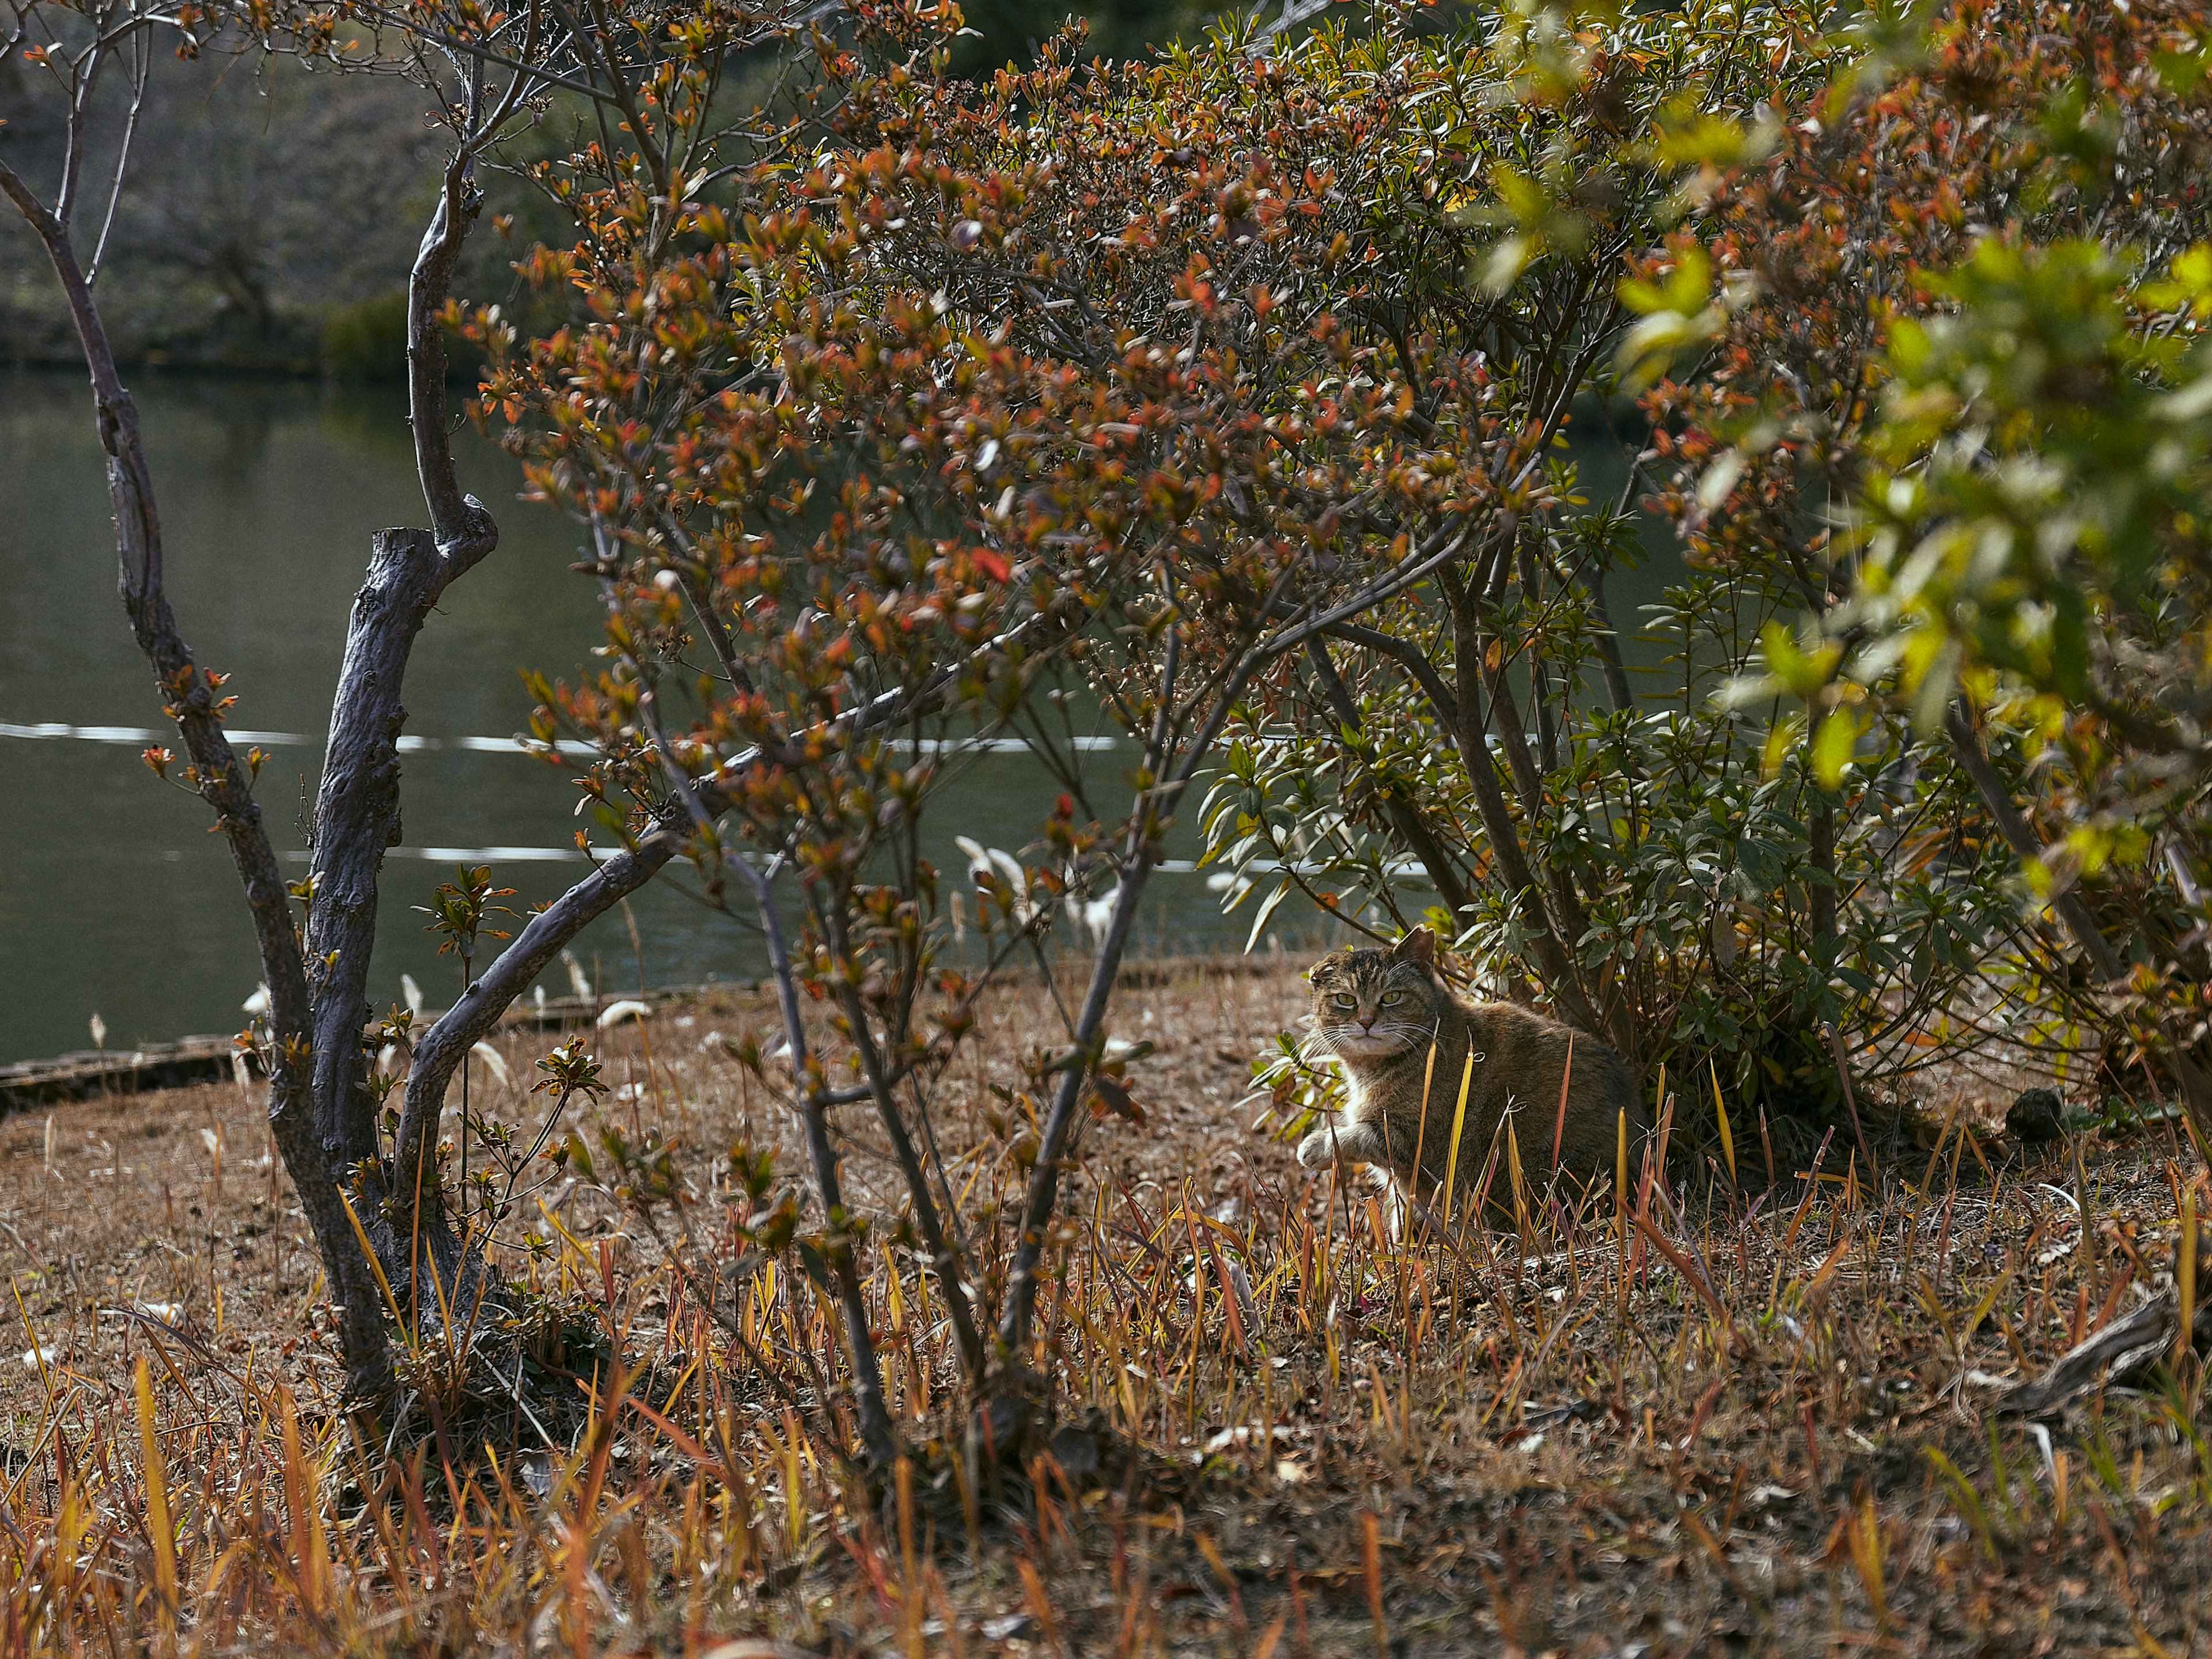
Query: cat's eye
[
  {"x": 1389, "y": 997},
  {"x": 1343, "y": 1001}
]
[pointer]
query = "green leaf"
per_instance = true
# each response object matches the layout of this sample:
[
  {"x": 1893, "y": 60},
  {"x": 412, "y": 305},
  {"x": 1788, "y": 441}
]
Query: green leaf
[
  {"x": 1803, "y": 672},
  {"x": 1684, "y": 290},
  {"x": 817, "y": 1266},
  {"x": 1690, "y": 136},
  {"x": 1833, "y": 746},
  {"x": 1267, "y": 909},
  {"x": 2182, "y": 71},
  {"x": 580, "y": 1158},
  {"x": 1506, "y": 261}
]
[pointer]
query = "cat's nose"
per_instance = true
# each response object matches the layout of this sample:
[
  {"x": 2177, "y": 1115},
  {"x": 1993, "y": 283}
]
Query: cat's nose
[{"x": 1367, "y": 1022}]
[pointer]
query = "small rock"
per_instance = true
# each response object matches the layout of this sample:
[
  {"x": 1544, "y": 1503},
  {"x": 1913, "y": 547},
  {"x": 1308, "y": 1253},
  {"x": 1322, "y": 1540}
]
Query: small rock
[
  {"x": 2039, "y": 1115},
  {"x": 1076, "y": 1450}
]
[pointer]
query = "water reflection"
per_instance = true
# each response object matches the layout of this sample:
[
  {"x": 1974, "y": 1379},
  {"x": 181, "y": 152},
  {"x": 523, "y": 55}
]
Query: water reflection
[{"x": 115, "y": 898}]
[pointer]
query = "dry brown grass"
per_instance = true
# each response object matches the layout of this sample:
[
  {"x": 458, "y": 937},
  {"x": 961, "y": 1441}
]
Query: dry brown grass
[{"x": 1311, "y": 1436}]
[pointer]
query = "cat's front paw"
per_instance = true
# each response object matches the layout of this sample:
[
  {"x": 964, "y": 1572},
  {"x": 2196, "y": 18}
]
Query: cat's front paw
[{"x": 1317, "y": 1150}]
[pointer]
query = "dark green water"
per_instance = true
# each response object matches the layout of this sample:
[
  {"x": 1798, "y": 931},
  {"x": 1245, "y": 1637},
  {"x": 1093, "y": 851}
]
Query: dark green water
[{"x": 115, "y": 900}]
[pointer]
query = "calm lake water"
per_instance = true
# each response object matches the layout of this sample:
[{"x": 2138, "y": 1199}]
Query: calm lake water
[{"x": 115, "y": 900}]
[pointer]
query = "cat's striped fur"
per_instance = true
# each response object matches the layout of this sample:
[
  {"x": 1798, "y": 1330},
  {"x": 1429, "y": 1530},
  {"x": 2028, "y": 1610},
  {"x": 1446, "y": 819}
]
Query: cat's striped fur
[{"x": 1378, "y": 1014}]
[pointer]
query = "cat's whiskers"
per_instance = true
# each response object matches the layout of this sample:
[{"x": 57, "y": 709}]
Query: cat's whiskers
[{"x": 1381, "y": 1042}]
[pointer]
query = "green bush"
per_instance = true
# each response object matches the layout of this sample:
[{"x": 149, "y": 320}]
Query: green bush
[
  {"x": 367, "y": 342},
  {"x": 367, "y": 339}
]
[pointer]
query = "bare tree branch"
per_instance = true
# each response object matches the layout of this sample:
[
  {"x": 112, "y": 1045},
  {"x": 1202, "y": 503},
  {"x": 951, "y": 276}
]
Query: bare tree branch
[{"x": 190, "y": 699}]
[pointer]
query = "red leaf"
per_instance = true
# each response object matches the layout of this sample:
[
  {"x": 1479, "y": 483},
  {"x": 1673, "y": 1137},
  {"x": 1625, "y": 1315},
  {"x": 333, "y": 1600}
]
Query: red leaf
[{"x": 1115, "y": 1099}]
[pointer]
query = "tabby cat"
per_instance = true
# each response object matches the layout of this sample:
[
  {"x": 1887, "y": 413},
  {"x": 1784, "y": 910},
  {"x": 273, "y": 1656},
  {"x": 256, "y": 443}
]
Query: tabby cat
[{"x": 1379, "y": 1013}]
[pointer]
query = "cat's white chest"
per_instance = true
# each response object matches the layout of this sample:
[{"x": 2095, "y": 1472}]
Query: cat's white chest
[{"x": 1355, "y": 1097}]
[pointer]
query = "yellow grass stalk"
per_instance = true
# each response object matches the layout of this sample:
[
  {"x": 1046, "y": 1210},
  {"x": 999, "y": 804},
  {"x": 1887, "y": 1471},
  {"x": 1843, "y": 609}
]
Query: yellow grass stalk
[
  {"x": 576, "y": 1244},
  {"x": 1865, "y": 1538},
  {"x": 1233, "y": 1317},
  {"x": 301, "y": 1481},
  {"x": 1421, "y": 1135},
  {"x": 1033, "y": 1592},
  {"x": 911, "y": 1593},
  {"x": 1620, "y": 1214},
  {"x": 1520, "y": 1182},
  {"x": 1942, "y": 1134},
  {"x": 1560, "y": 1127},
  {"x": 159, "y": 1532},
  {"x": 1459, "y": 1125},
  {"x": 1682, "y": 1265},
  {"x": 37, "y": 1354},
  {"x": 2195, "y": 1137},
  {"x": 794, "y": 1495},
  {"x": 1620, "y": 1174},
  {"x": 406, "y": 1328},
  {"x": 1370, "y": 1542},
  {"x": 1720, "y": 1113}
]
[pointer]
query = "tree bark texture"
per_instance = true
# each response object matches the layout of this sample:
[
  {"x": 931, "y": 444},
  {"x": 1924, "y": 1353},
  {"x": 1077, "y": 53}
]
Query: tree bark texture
[{"x": 357, "y": 819}]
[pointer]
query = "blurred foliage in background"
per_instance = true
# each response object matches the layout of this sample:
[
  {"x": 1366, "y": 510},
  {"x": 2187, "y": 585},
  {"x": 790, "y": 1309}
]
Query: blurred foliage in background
[
  {"x": 261, "y": 200},
  {"x": 290, "y": 253},
  {"x": 1936, "y": 364}
]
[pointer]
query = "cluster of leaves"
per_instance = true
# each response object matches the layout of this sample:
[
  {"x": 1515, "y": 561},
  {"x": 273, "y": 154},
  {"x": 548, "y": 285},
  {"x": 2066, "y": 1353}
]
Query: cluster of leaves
[
  {"x": 571, "y": 1074},
  {"x": 1700, "y": 868},
  {"x": 457, "y": 910},
  {"x": 1947, "y": 336},
  {"x": 1235, "y": 391},
  {"x": 1474, "y": 744},
  {"x": 1120, "y": 373}
]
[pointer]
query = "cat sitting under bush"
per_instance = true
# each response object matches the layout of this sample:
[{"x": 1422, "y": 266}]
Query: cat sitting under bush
[{"x": 1379, "y": 1013}]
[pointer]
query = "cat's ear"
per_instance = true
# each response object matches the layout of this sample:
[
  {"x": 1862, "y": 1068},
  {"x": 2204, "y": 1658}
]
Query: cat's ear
[{"x": 1417, "y": 947}]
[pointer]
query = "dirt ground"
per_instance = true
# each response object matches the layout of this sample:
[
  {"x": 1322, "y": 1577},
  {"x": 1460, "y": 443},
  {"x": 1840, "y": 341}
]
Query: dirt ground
[
  {"x": 1772, "y": 1431},
  {"x": 172, "y": 1203}
]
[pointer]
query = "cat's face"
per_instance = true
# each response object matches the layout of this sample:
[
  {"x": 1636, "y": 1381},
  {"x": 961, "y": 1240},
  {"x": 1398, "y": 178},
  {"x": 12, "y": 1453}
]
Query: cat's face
[{"x": 1370, "y": 1004}]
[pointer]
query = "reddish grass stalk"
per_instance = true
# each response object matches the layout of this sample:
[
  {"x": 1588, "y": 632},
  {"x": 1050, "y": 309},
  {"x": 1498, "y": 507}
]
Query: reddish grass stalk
[{"x": 1370, "y": 1542}]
